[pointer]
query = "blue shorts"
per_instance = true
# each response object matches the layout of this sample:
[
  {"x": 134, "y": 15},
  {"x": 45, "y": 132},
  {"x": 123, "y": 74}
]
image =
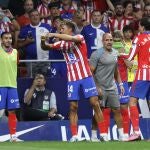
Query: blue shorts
[
  {"x": 58, "y": 69},
  {"x": 88, "y": 86},
  {"x": 9, "y": 98},
  {"x": 140, "y": 89},
  {"x": 125, "y": 98}
]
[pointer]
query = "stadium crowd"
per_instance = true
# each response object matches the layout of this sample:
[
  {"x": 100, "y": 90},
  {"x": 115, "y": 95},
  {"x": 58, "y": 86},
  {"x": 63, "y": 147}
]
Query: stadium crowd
[{"x": 107, "y": 26}]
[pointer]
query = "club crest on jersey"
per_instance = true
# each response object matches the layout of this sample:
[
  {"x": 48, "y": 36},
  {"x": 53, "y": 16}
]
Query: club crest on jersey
[{"x": 46, "y": 97}]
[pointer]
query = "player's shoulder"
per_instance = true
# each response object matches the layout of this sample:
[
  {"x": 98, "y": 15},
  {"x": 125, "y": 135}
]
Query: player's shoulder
[
  {"x": 87, "y": 28},
  {"x": 79, "y": 36},
  {"x": 115, "y": 52},
  {"x": 98, "y": 53}
]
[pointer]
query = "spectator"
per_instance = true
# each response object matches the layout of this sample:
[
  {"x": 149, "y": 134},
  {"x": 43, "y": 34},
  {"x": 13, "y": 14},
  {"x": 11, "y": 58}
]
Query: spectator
[
  {"x": 119, "y": 20},
  {"x": 147, "y": 10},
  {"x": 79, "y": 21},
  {"x": 87, "y": 7},
  {"x": 8, "y": 85},
  {"x": 24, "y": 19},
  {"x": 103, "y": 65},
  {"x": 128, "y": 6},
  {"x": 67, "y": 9},
  {"x": 54, "y": 10},
  {"x": 29, "y": 40},
  {"x": 40, "y": 101},
  {"x": 7, "y": 21},
  {"x": 93, "y": 32},
  {"x": 44, "y": 11},
  {"x": 138, "y": 14}
]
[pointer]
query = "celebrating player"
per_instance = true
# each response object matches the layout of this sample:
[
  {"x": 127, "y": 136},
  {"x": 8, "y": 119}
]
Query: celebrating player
[{"x": 79, "y": 74}]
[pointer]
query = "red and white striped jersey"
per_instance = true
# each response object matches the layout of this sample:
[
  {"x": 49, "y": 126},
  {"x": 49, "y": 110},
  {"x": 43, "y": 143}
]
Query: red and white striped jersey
[
  {"x": 89, "y": 7},
  {"x": 5, "y": 26},
  {"x": 43, "y": 10},
  {"x": 114, "y": 24},
  {"x": 75, "y": 55},
  {"x": 141, "y": 48}
]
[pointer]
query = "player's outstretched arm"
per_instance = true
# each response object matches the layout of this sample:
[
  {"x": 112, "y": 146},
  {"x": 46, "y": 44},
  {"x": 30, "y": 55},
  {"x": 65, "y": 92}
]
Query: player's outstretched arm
[{"x": 65, "y": 37}]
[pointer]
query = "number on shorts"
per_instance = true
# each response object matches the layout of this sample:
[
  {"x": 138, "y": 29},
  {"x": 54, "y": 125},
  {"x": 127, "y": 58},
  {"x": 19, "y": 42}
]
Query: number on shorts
[{"x": 70, "y": 88}]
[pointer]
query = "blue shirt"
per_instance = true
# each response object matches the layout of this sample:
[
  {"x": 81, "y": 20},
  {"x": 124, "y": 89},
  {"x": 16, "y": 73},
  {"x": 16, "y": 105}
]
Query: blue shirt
[
  {"x": 34, "y": 50},
  {"x": 93, "y": 37}
]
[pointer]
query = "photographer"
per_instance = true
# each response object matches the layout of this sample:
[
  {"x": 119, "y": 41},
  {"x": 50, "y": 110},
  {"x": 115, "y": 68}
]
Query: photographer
[{"x": 40, "y": 101}]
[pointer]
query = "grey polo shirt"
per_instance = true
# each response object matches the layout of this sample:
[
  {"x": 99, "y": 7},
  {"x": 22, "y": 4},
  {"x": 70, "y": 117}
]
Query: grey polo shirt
[{"x": 105, "y": 63}]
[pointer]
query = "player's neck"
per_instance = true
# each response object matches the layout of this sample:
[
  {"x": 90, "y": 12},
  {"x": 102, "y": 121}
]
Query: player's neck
[
  {"x": 108, "y": 50},
  {"x": 7, "y": 49},
  {"x": 96, "y": 25}
]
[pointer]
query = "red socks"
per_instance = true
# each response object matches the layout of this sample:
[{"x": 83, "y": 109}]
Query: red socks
[
  {"x": 126, "y": 120},
  {"x": 12, "y": 123},
  {"x": 134, "y": 115},
  {"x": 73, "y": 129},
  {"x": 104, "y": 125},
  {"x": 106, "y": 114}
]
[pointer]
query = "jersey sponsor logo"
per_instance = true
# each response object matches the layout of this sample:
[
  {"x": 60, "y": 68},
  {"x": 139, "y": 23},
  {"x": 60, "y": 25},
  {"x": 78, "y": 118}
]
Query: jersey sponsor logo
[
  {"x": 91, "y": 34},
  {"x": 14, "y": 100},
  {"x": 145, "y": 66},
  {"x": 90, "y": 89}
]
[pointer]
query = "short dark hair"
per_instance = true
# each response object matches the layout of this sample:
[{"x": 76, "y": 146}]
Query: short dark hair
[
  {"x": 145, "y": 22},
  {"x": 126, "y": 3},
  {"x": 3, "y": 33},
  {"x": 148, "y": 4},
  {"x": 118, "y": 3},
  {"x": 39, "y": 73},
  {"x": 96, "y": 10},
  {"x": 54, "y": 4},
  {"x": 58, "y": 17},
  {"x": 69, "y": 24},
  {"x": 127, "y": 28},
  {"x": 32, "y": 10}
]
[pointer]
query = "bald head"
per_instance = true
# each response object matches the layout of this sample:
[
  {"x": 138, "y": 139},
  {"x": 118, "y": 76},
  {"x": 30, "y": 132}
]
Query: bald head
[
  {"x": 107, "y": 41},
  {"x": 106, "y": 35}
]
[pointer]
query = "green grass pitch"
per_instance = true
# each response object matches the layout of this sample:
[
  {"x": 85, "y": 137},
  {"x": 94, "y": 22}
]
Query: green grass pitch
[{"x": 45, "y": 145}]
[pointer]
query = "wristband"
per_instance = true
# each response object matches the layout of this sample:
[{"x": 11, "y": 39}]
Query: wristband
[{"x": 121, "y": 84}]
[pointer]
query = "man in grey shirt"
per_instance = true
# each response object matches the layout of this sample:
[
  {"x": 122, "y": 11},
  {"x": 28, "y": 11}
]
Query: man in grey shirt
[{"x": 103, "y": 63}]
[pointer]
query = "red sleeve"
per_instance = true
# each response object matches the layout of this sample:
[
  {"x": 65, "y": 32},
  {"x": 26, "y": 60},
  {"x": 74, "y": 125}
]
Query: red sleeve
[
  {"x": 80, "y": 37},
  {"x": 56, "y": 45},
  {"x": 133, "y": 50},
  {"x": 62, "y": 45}
]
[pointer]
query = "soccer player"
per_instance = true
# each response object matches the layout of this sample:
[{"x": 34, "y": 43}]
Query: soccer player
[
  {"x": 8, "y": 84},
  {"x": 79, "y": 74},
  {"x": 141, "y": 86},
  {"x": 103, "y": 63}
]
